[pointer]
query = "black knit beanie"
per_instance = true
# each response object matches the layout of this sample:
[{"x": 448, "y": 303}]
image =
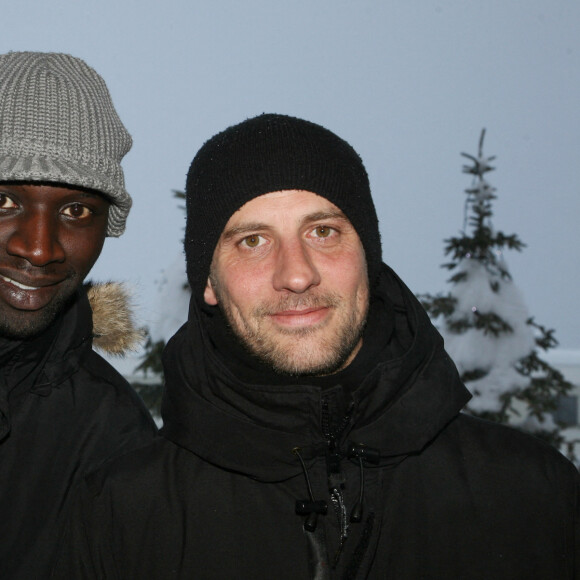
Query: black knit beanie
[{"x": 265, "y": 154}]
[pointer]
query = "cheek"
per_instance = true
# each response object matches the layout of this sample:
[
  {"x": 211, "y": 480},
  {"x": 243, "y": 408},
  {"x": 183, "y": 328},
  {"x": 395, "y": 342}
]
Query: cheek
[
  {"x": 83, "y": 248},
  {"x": 346, "y": 271},
  {"x": 246, "y": 278},
  {"x": 243, "y": 288},
  {"x": 6, "y": 231}
]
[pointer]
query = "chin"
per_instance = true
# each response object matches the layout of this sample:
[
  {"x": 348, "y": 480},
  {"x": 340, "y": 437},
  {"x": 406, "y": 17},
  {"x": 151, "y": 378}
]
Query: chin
[
  {"x": 27, "y": 325},
  {"x": 305, "y": 364},
  {"x": 23, "y": 325}
]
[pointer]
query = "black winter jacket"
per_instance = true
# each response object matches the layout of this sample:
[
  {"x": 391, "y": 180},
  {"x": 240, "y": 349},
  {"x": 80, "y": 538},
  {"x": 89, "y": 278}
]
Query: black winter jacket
[
  {"x": 444, "y": 495},
  {"x": 63, "y": 411}
]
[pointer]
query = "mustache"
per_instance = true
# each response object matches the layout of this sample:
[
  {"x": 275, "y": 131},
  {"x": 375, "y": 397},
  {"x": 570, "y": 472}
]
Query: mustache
[{"x": 302, "y": 302}]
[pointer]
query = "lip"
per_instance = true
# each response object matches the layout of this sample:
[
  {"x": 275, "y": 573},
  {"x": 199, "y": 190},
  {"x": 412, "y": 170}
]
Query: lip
[
  {"x": 32, "y": 294},
  {"x": 303, "y": 317}
]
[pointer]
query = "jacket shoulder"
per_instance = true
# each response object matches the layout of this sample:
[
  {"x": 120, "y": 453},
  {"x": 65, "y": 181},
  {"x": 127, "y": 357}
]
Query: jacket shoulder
[
  {"x": 102, "y": 371},
  {"x": 138, "y": 472},
  {"x": 103, "y": 405},
  {"x": 97, "y": 377},
  {"x": 502, "y": 447}
]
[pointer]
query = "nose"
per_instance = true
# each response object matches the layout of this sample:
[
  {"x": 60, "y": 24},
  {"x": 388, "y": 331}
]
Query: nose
[
  {"x": 36, "y": 239},
  {"x": 295, "y": 270}
]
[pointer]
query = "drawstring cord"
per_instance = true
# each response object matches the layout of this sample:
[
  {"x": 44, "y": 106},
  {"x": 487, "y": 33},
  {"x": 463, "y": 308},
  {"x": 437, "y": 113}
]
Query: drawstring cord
[
  {"x": 309, "y": 507},
  {"x": 363, "y": 453},
  {"x": 357, "y": 510}
]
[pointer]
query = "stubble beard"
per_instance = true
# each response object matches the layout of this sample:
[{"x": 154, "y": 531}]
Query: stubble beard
[{"x": 290, "y": 351}]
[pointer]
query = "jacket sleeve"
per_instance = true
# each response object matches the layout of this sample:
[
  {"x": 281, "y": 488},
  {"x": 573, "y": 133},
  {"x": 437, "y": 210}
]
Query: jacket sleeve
[
  {"x": 110, "y": 420},
  {"x": 86, "y": 549}
]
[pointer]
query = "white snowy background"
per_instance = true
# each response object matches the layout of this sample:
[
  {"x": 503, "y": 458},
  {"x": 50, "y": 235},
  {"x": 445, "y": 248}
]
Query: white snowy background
[{"x": 409, "y": 84}]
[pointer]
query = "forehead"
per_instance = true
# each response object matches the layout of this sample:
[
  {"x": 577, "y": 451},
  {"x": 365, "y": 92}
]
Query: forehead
[{"x": 286, "y": 205}]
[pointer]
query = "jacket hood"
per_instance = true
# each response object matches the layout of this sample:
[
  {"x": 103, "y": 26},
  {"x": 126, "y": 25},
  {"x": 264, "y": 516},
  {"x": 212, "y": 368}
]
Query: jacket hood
[
  {"x": 400, "y": 405},
  {"x": 114, "y": 328}
]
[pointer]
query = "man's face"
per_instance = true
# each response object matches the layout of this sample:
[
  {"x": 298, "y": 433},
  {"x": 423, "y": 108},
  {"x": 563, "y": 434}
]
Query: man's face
[
  {"x": 50, "y": 237},
  {"x": 289, "y": 273}
]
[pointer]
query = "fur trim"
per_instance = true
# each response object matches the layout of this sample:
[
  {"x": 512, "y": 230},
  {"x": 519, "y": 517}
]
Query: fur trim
[{"x": 114, "y": 329}]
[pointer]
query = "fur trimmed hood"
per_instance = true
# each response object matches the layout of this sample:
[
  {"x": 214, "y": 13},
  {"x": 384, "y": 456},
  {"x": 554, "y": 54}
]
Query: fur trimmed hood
[{"x": 114, "y": 329}]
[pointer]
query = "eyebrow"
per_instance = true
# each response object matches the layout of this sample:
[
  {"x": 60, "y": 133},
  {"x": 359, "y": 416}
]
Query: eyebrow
[
  {"x": 324, "y": 215},
  {"x": 252, "y": 227},
  {"x": 244, "y": 229}
]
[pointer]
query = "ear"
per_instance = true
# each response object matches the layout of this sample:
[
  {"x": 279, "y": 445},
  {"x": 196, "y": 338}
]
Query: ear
[{"x": 209, "y": 295}]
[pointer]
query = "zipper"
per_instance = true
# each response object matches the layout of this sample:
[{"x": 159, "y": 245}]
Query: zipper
[{"x": 333, "y": 457}]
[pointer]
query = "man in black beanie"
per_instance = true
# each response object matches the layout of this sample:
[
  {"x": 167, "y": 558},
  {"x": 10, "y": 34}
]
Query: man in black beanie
[{"x": 312, "y": 417}]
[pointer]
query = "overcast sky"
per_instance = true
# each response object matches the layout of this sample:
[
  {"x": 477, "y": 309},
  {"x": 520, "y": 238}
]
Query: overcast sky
[{"x": 410, "y": 84}]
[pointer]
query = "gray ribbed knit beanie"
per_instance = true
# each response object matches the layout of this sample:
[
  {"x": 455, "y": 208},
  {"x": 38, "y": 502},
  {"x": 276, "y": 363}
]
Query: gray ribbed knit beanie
[
  {"x": 58, "y": 125},
  {"x": 265, "y": 154}
]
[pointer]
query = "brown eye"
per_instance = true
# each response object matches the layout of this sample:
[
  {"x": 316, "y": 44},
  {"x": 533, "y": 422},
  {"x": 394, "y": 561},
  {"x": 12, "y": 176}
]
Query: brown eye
[
  {"x": 252, "y": 241},
  {"x": 6, "y": 202},
  {"x": 322, "y": 231},
  {"x": 77, "y": 210}
]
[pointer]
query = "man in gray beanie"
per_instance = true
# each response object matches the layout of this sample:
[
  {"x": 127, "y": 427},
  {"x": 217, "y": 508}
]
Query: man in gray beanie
[
  {"x": 63, "y": 409},
  {"x": 312, "y": 424}
]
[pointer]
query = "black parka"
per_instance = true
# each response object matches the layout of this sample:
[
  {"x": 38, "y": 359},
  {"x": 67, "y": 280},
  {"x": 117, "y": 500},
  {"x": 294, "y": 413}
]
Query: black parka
[
  {"x": 444, "y": 495},
  {"x": 63, "y": 411}
]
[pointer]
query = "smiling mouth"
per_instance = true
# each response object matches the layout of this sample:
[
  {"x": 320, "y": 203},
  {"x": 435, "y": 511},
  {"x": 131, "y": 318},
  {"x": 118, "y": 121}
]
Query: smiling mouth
[
  {"x": 307, "y": 317},
  {"x": 18, "y": 284},
  {"x": 302, "y": 312}
]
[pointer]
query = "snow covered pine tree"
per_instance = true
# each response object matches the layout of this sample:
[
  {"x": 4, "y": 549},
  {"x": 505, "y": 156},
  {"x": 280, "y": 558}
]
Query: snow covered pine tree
[{"x": 487, "y": 329}]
